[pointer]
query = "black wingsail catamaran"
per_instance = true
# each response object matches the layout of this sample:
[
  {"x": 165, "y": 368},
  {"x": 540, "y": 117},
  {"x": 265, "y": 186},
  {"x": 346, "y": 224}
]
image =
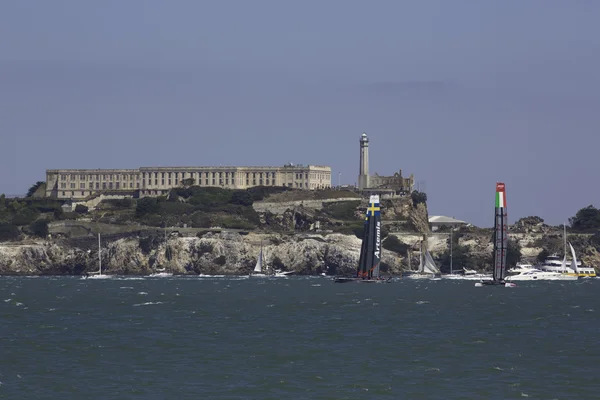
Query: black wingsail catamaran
[
  {"x": 370, "y": 249},
  {"x": 500, "y": 239}
]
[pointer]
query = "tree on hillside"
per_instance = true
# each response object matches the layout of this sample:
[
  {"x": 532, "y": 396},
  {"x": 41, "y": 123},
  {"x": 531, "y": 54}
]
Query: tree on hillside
[
  {"x": 146, "y": 205},
  {"x": 8, "y": 232},
  {"x": 586, "y": 220},
  {"x": 242, "y": 197},
  {"x": 33, "y": 188}
]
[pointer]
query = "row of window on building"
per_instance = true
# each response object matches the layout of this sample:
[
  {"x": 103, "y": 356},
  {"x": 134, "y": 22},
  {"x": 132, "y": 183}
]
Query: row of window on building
[
  {"x": 180, "y": 175},
  {"x": 105, "y": 185}
]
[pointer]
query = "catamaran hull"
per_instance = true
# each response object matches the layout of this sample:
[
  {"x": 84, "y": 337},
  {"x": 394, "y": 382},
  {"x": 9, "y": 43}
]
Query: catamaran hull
[
  {"x": 495, "y": 283},
  {"x": 360, "y": 280}
]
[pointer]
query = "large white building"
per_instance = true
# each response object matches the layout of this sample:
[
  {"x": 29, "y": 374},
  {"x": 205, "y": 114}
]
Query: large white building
[{"x": 156, "y": 181}]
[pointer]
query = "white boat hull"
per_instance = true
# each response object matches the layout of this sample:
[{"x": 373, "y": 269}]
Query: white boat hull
[
  {"x": 97, "y": 277},
  {"x": 476, "y": 277},
  {"x": 161, "y": 275},
  {"x": 421, "y": 276},
  {"x": 540, "y": 276}
]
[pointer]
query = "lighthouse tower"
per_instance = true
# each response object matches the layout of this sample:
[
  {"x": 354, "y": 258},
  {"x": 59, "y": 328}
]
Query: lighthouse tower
[{"x": 363, "y": 174}]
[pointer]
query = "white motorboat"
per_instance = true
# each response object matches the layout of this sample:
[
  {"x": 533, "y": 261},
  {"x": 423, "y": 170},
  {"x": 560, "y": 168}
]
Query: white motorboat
[
  {"x": 520, "y": 267},
  {"x": 539, "y": 275}
]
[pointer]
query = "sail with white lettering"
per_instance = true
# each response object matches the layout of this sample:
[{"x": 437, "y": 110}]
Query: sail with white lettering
[{"x": 370, "y": 257}]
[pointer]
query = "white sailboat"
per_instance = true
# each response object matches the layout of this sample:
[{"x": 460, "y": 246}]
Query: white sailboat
[
  {"x": 427, "y": 267},
  {"x": 258, "y": 267},
  {"x": 98, "y": 274}
]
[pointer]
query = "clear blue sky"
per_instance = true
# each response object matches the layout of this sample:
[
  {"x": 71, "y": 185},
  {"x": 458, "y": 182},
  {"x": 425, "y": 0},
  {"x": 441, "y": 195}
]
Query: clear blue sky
[{"x": 460, "y": 93}]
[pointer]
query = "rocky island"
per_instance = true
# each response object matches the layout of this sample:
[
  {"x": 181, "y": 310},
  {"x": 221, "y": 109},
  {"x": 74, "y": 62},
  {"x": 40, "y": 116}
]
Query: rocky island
[{"x": 204, "y": 230}]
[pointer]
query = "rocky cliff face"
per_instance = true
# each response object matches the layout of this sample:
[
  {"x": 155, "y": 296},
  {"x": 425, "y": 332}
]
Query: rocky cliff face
[{"x": 213, "y": 253}]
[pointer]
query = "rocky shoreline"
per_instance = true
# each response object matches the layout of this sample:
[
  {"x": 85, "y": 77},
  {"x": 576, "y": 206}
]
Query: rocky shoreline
[
  {"x": 234, "y": 253},
  {"x": 305, "y": 237},
  {"x": 224, "y": 253}
]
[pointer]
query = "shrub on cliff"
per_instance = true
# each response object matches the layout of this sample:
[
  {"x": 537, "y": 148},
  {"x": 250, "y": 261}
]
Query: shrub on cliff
[
  {"x": 24, "y": 216},
  {"x": 242, "y": 197},
  {"x": 146, "y": 205},
  {"x": 343, "y": 210},
  {"x": 39, "y": 228},
  {"x": 201, "y": 220},
  {"x": 418, "y": 198},
  {"x": 586, "y": 220},
  {"x": 9, "y": 232},
  {"x": 81, "y": 209},
  {"x": 259, "y": 193},
  {"x": 209, "y": 197}
]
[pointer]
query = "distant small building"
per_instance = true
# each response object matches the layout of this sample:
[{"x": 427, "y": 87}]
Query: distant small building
[{"x": 438, "y": 221}]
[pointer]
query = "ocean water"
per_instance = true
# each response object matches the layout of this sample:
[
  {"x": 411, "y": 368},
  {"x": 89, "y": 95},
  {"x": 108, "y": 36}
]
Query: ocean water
[{"x": 296, "y": 338}]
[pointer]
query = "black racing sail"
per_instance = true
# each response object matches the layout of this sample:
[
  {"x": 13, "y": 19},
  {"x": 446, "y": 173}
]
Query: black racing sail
[
  {"x": 370, "y": 251},
  {"x": 500, "y": 234},
  {"x": 500, "y": 237}
]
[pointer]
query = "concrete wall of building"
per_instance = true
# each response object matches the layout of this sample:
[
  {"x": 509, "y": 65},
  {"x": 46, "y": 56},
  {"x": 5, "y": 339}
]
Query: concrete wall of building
[{"x": 85, "y": 183}]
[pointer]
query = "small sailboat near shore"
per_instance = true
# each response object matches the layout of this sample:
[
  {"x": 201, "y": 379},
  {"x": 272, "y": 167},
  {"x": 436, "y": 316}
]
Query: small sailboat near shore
[
  {"x": 370, "y": 250},
  {"x": 427, "y": 267},
  {"x": 258, "y": 267},
  {"x": 500, "y": 241},
  {"x": 262, "y": 270},
  {"x": 97, "y": 274}
]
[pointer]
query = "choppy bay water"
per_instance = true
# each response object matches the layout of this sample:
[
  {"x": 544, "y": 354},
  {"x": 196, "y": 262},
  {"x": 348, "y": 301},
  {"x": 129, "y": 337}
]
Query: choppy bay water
[{"x": 296, "y": 338}]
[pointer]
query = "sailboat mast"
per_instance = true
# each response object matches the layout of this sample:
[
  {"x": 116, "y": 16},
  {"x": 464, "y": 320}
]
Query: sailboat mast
[
  {"x": 99, "y": 256},
  {"x": 565, "y": 239},
  {"x": 451, "y": 227},
  {"x": 261, "y": 257}
]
